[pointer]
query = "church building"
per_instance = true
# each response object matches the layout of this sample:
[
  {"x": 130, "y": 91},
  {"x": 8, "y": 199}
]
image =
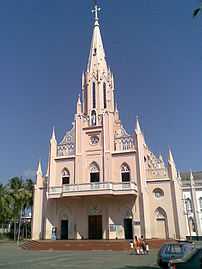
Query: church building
[{"x": 101, "y": 182}]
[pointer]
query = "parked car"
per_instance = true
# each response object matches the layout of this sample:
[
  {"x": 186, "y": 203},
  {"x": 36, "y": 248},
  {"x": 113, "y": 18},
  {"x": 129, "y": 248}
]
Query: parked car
[
  {"x": 172, "y": 251},
  {"x": 189, "y": 261}
]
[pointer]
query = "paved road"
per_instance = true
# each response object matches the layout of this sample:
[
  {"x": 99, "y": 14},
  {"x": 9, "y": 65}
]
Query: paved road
[{"x": 12, "y": 257}]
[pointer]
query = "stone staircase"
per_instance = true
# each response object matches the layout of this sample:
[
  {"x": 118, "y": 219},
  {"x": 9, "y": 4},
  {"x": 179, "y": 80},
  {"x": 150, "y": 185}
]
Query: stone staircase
[{"x": 85, "y": 245}]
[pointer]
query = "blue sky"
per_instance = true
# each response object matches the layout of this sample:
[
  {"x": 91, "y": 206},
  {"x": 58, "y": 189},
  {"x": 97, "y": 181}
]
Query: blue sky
[{"x": 153, "y": 47}]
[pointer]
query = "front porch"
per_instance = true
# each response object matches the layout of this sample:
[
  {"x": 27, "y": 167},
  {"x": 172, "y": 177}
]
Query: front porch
[{"x": 104, "y": 217}]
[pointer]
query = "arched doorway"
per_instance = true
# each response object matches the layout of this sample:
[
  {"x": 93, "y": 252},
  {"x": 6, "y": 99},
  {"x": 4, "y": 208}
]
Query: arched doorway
[{"x": 161, "y": 224}]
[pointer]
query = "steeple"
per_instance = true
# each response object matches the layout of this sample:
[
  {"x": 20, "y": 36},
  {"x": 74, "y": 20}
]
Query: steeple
[
  {"x": 96, "y": 60},
  {"x": 97, "y": 81}
]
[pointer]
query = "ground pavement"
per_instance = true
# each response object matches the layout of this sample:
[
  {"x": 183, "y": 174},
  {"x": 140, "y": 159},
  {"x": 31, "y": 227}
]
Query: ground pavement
[{"x": 12, "y": 257}]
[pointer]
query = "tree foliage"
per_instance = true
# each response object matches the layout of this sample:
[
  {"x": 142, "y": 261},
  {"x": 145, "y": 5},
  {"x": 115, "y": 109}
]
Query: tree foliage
[{"x": 15, "y": 198}]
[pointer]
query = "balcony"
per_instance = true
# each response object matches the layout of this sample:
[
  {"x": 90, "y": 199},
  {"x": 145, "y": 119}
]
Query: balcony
[{"x": 98, "y": 188}]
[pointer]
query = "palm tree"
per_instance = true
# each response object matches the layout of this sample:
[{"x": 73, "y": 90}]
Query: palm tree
[
  {"x": 15, "y": 187},
  {"x": 2, "y": 204},
  {"x": 22, "y": 194},
  {"x": 5, "y": 205}
]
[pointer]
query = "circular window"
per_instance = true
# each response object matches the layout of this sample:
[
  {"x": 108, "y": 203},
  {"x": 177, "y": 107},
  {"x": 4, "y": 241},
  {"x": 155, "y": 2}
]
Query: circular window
[
  {"x": 158, "y": 192},
  {"x": 94, "y": 140}
]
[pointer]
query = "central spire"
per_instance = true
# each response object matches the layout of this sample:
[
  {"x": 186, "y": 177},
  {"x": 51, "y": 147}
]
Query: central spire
[
  {"x": 96, "y": 61},
  {"x": 97, "y": 81}
]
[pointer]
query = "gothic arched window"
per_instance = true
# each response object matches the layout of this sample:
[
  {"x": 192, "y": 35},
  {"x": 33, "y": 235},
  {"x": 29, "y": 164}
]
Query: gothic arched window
[
  {"x": 93, "y": 118},
  {"x": 125, "y": 173},
  {"x": 200, "y": 203},
  {"x": 65, "y": 176},
  {"x": 94, "y": 95},
  {"x": 188, "y": 205},
  {"x": 94, "y": 172},
  {"x": 104, "y": 95}
]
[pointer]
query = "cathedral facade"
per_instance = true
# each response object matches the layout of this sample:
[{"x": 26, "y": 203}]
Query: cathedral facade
[{"x": 101, "y": 182}]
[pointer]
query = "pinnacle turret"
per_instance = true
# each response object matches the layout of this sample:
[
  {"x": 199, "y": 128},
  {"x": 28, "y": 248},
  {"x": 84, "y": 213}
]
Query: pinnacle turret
[
  {"x": 170, "y": 157},
  {"x": 137, "y": 128},
  {"x": 53, "y": 137},
  {"x": 78, "y": 109},
  {"x": 39, "y": 169},
  {"x": 191, "y": 177},
  {"x": 161, "y": 158}
]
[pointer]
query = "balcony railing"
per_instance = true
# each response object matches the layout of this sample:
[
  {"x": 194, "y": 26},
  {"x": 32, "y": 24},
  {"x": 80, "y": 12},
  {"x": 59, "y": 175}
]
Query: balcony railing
[{"x": 92, "y": 189}]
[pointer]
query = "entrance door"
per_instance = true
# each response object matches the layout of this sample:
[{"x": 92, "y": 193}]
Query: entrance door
[
  {"x": 95, "y": 227},
  {"x": 128, "y": 228},
  {"x": 64, "y": 229}
]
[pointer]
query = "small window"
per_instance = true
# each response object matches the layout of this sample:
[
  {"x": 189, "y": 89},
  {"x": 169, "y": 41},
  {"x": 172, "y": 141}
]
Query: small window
[
  {"x": 158, "y": 192},
  {"x": 188, "y": 205},
  {"x": 93, "y": 118},
  {"x": 125, "y": 173},
  {"x": 104, "y": 95},
  {"x": 94, "y": 95},
  {"x": 65, "y": 177},
  {"x": 200, "y": 203}
]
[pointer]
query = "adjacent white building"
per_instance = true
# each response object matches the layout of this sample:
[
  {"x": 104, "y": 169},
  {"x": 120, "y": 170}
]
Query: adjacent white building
[{"x": 192, "y": 198}]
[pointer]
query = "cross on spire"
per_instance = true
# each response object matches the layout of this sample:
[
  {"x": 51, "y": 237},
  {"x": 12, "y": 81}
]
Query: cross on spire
[{"x": 96, "y": 10}]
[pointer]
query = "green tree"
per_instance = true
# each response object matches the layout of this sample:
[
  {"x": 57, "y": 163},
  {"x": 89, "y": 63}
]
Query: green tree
[
  {"x": 5, "y": 205},
  {"x": 22, "y": 195}
]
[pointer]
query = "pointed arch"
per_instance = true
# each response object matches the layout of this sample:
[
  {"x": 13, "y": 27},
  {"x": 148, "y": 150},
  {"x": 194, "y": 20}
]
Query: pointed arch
[
  {"x": 94, "y": 172},
  {"x": 161, "y": 223},
  {"x": 93, "y": 118},
  {"x": 125, "y": 172},
  {"x": 65, "y": 176}
]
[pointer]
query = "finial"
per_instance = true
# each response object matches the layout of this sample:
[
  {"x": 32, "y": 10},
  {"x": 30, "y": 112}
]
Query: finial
[
  {"x": 191, "y": 177},
  {"x": 170, "y": 156},
  {"x": 79, "y": 99},
  {"x": 137, "y": 129},
  {"x": 53, "y": 134},
  {"x": 96, "y": 10},
  {"x": 161, "y": 157},
  {"x": 39, "y": 169},
  {"x": 116, "y": 108}
]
